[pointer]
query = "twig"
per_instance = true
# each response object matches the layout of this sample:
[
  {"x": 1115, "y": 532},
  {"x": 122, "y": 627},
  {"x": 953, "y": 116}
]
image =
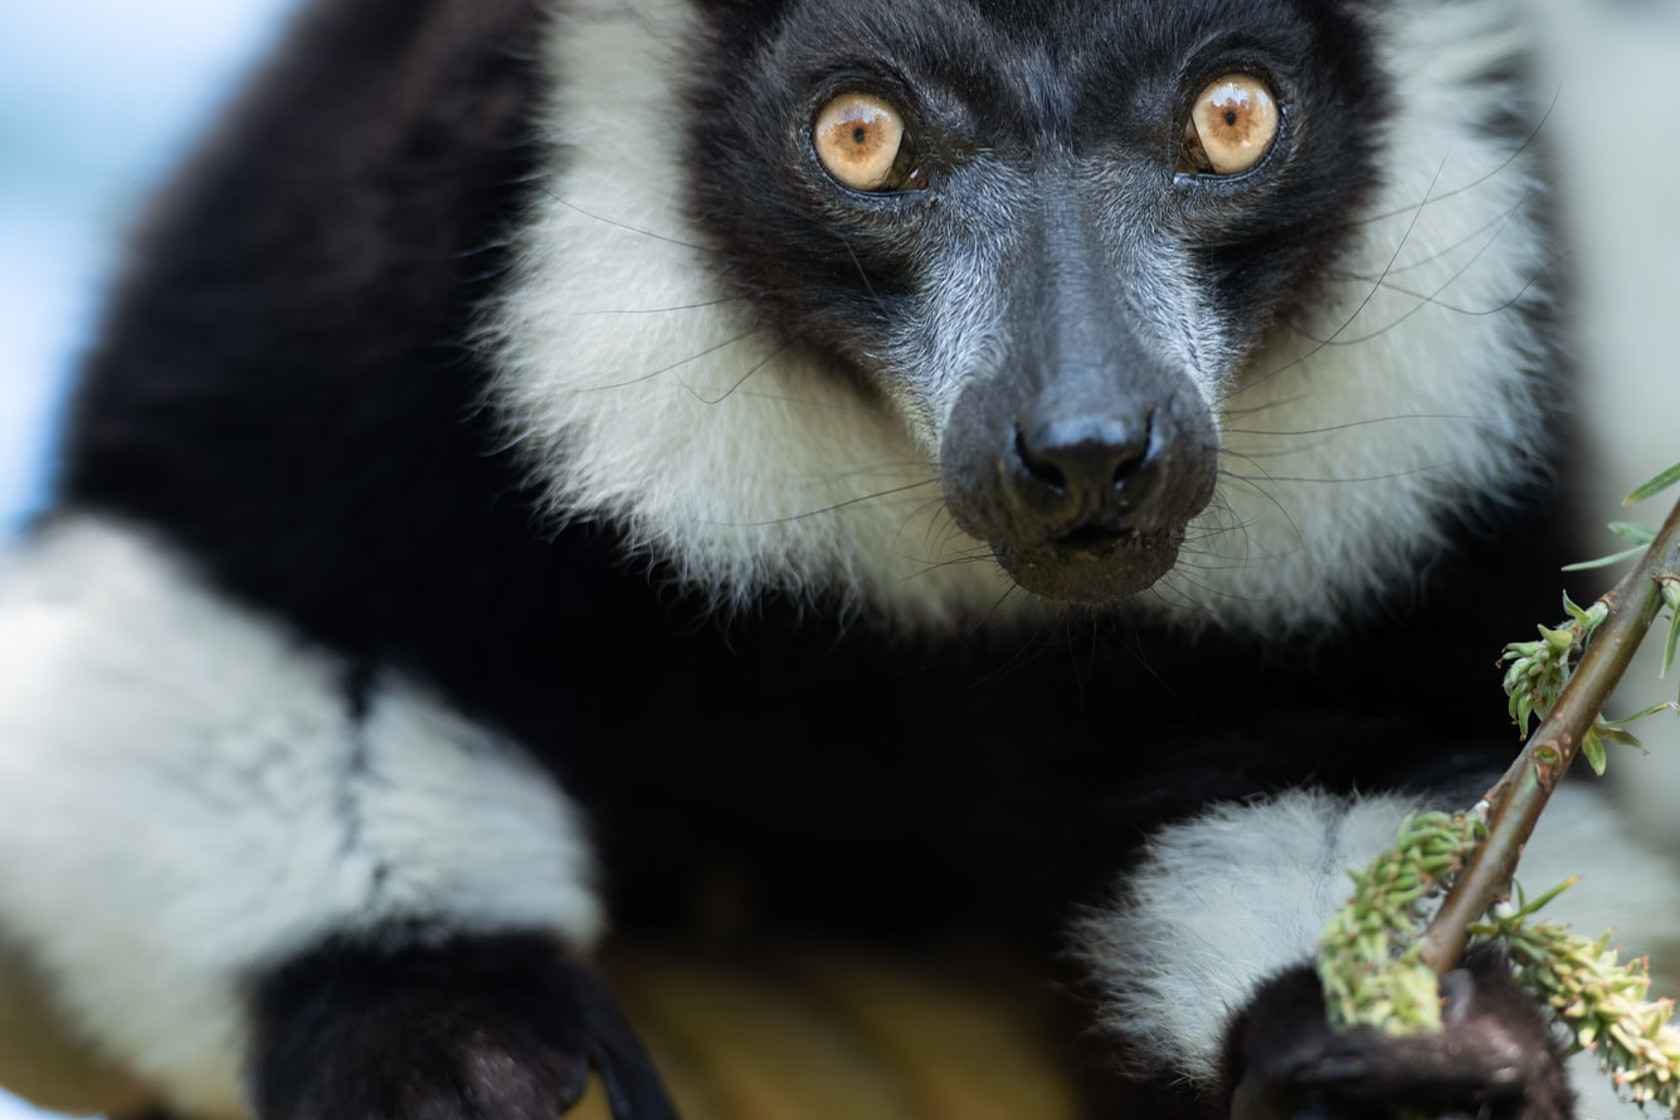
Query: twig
[{"x": 1519, "y": 796}]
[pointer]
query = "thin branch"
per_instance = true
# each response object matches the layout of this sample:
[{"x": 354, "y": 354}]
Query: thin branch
[{"x": 1519, "y": 796}]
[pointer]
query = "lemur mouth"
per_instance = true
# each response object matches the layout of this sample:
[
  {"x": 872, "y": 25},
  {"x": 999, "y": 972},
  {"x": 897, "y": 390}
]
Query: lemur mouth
[
  {"x": 1094, "y": 565},
  {"x": 1095, "y": 537}
]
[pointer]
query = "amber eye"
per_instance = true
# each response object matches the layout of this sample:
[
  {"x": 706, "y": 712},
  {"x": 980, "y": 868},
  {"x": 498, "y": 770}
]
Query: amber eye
[
  {"x": 1232, "y": 125},
  {"x": 861, "y": 141}
]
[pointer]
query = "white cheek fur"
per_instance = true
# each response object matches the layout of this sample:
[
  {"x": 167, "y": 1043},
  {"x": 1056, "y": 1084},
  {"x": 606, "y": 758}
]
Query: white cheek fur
[
  {"x": 1408, "y": 397},
  {"x": 749, "y": 467},
  {"x": 744, "y": 464}
]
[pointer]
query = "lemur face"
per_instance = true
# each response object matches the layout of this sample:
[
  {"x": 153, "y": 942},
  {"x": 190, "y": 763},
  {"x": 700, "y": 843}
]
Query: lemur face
[
  {"x": 1219, "y": 311},
  {"x": 1050, "y": 238}
]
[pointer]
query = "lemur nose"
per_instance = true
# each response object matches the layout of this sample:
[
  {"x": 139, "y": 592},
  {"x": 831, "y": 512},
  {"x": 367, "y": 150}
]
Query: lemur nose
[{"x": 1078, "y": 468}]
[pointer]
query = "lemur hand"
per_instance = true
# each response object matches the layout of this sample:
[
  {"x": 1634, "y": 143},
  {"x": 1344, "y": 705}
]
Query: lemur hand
[
  {"x": 475, "y": 1028},
  {"x": 1496, "y": 1059}
]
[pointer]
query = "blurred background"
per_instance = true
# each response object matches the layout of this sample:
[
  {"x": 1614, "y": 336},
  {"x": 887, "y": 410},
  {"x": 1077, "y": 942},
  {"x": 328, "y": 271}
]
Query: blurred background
[{"x": 99, "y": 97}]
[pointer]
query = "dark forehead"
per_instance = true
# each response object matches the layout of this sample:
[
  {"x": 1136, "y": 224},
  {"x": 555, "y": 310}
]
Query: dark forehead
[
  {"x": 1047, "y": 55},
  {"x": 1080, "y": 22},
  {"x": 1066, "y": 30}
]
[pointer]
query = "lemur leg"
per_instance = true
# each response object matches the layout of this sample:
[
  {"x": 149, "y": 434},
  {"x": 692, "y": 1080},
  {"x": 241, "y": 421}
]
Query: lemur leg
[
  {"x": 260, "y": 881},
  {"x": 1199, "y": 965}
]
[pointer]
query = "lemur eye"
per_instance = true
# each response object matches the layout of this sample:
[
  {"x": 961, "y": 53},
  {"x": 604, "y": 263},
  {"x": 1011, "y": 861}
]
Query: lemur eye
[
  {"x": 1231, "y": 126},
  {"x": 861, "y": 141}
]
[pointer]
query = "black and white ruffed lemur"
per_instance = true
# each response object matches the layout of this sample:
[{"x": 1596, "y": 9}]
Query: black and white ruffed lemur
[{"x": 1059, "y": 470}]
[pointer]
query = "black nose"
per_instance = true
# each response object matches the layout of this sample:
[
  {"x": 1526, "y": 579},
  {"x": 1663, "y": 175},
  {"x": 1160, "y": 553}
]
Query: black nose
[{"x": 1079, "y": 468}]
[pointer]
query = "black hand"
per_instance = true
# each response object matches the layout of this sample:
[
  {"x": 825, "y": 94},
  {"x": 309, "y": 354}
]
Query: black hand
[
  {"x": 472, "y": 1028},
  {"x": 1496, "y": 1058}
]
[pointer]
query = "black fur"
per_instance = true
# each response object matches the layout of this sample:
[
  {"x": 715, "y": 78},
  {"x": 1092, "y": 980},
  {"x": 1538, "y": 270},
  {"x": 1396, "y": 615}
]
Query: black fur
[
  {"x": 470, "y": 1028},
  {"x": 266, "y": 390},
  {"x": 290, "y": 400}
]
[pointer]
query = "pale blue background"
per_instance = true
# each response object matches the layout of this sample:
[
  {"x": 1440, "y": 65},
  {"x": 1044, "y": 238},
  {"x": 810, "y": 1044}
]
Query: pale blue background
[{"x": 97, "y": 98}]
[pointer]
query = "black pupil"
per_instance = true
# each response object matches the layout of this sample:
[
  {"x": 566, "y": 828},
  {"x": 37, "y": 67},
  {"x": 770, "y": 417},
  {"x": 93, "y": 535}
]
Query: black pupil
[
  {"x": 860, "y": 135},
  {"x": 1230, "y": 117}
]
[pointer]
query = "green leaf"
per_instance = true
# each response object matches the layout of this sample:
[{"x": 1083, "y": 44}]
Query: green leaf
[
  {"x": 1526, "y": 908},
  {"x": 1633, "y": 531},
  {"x": 1654, "y": 487},
  {"x": 1665, "y": 706},
  {"x": 1592, "y": 748},
  {"x": 1621, "y": 737},
  {"x": 1606, "y": 561}
]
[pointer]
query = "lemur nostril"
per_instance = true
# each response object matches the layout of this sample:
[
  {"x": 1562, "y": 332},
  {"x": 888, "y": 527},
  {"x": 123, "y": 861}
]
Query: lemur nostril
[
  {"x": 1041, "y": 469},
  {"x": 1087, "y": 459}
]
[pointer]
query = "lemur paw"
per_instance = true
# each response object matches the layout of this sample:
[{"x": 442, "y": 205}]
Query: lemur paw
[
  {"x": 1496, "y": 1059},
  {"x": 481, "y": 1028}
]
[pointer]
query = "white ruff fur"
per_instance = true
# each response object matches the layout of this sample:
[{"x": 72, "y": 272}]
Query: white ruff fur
[
  {"x": 711, "y": 449},
  {"x": 1428, "y": 367},
  {"x": 750, "y": 469},
  {"x": 185, "y": 799},
  {"x": 1224, "y": 902}
]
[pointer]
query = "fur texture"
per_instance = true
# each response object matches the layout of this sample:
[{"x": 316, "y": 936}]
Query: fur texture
[
  {"x": 203, "y": 797},
  {"x": 642, "y": 390},
  {"x": 530, "y": 336}
]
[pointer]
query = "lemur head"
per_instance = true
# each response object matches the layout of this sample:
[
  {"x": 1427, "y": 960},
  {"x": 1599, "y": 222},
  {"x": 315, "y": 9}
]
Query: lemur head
[
  {"x": 1048, "y": 234},
  {"x": 1211, "y": 307}
]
